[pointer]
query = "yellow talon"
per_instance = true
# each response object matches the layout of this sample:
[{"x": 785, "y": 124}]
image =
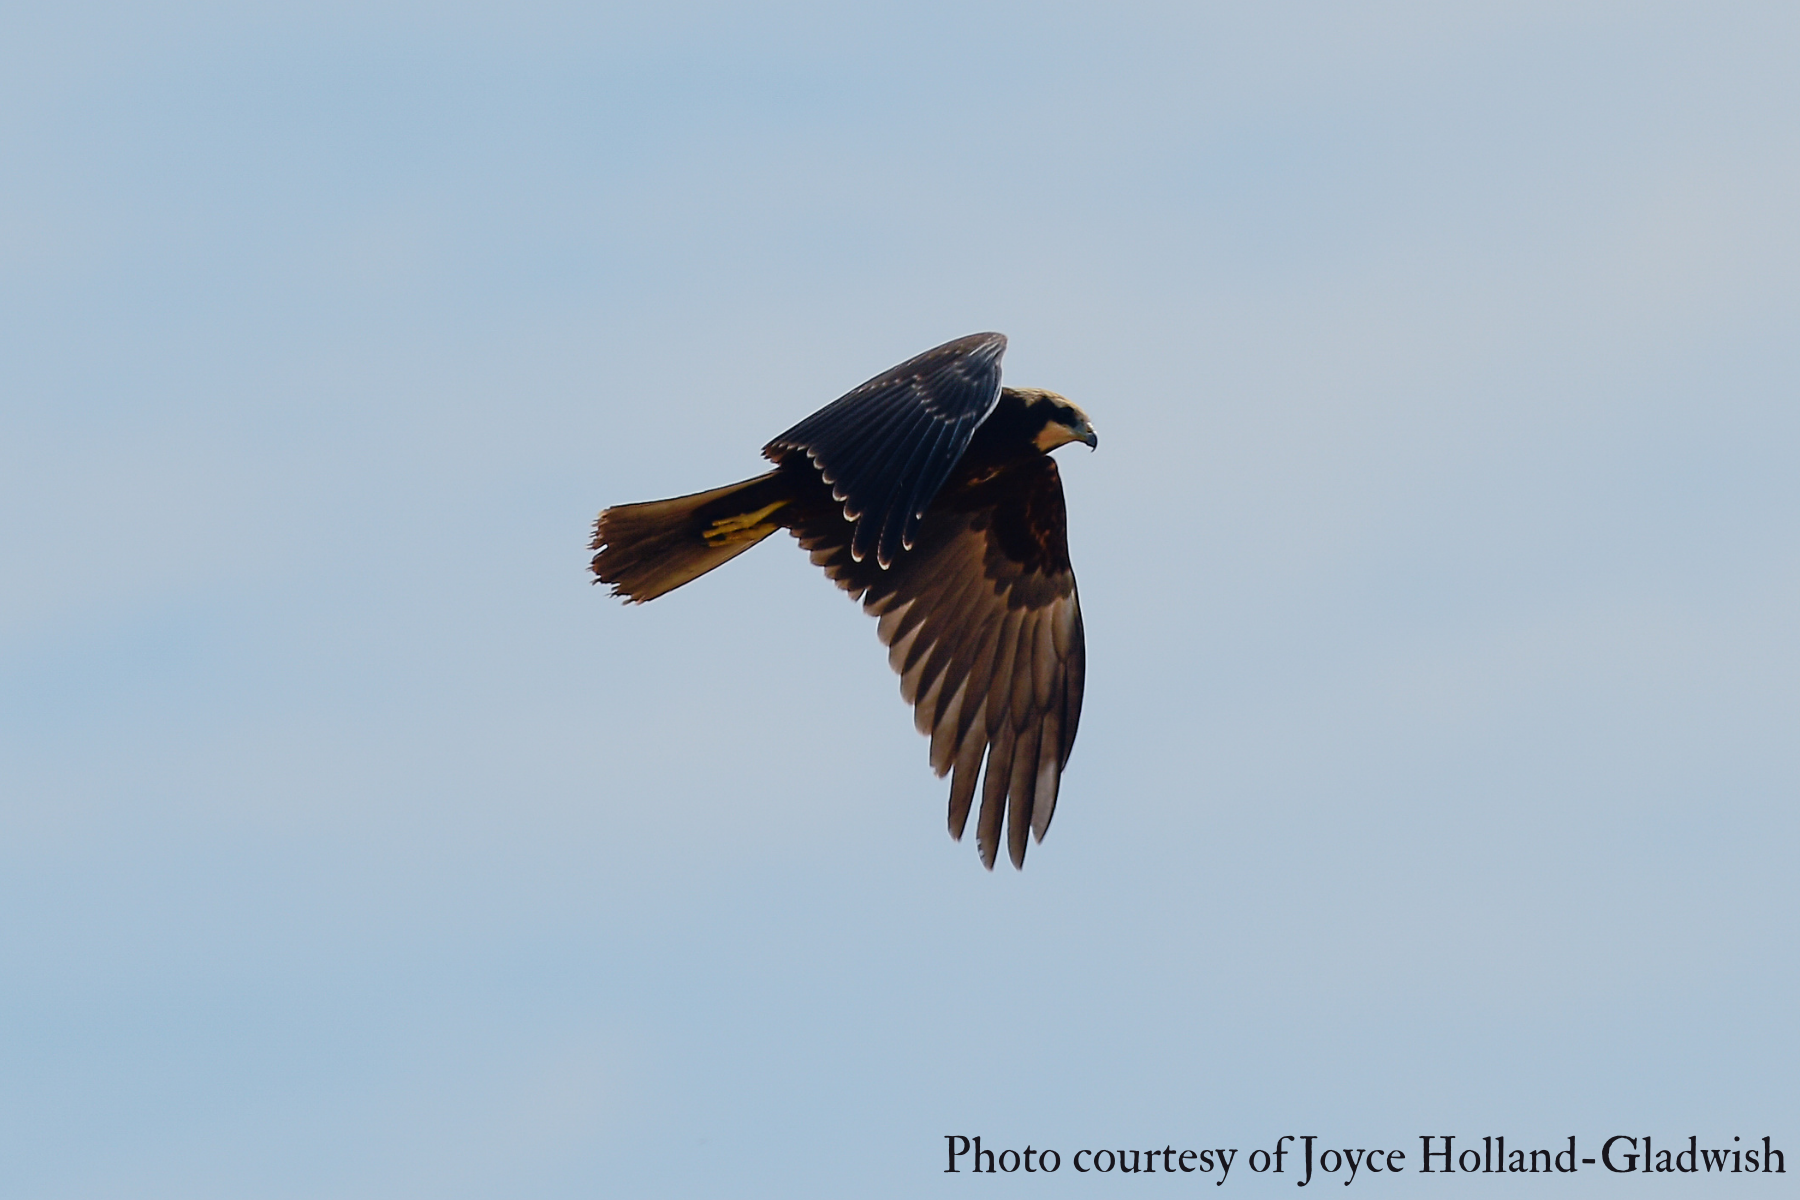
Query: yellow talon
[
  {"x": 745, "y": 527},
  {"x": 731, "y": 537},
  {"x": 726, "y": 525}
]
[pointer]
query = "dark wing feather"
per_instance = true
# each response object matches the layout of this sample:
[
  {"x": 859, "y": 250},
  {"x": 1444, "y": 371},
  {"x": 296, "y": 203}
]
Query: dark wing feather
[
  {"x": 887, "y": 447},
  {"x": 983, "y": 625}
]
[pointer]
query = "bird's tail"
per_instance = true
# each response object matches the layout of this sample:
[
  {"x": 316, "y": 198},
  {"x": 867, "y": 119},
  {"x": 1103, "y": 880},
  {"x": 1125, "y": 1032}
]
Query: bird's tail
[{"x": 652, "y": 548}]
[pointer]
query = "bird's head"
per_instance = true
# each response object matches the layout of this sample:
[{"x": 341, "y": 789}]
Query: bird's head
[{"x": 1057, "y": 419}]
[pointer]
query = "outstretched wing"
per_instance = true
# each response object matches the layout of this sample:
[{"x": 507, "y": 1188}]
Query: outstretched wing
[
  {"x": 887, "y": 447},
  {"x": 983, "y": 625}
]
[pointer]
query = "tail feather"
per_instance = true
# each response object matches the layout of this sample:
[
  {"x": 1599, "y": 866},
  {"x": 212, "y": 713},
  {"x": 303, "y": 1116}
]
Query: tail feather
[{"x": 651, "y": 548}]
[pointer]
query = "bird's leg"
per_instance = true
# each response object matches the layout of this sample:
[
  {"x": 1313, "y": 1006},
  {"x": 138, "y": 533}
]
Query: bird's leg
[{"x": 745, "y": 527}]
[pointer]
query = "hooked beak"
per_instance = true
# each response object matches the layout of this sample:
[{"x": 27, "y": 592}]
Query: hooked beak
[{"x": 1089, "y": 436}]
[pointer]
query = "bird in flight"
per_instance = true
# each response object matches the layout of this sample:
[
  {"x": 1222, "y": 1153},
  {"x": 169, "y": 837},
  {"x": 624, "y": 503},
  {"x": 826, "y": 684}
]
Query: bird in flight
[{"x": 929, "y": 494}]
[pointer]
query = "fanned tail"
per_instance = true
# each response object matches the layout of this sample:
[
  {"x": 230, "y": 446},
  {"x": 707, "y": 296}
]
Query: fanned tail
[{"x": 651, "y": 548}]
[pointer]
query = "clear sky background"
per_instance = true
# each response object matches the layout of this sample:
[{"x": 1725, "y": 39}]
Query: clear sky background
[{"x": 1440, "y": 561}]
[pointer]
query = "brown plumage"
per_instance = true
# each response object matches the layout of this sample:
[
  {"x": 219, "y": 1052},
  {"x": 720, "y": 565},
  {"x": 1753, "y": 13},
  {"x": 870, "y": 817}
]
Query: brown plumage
[{"x": 929, "y": 494}]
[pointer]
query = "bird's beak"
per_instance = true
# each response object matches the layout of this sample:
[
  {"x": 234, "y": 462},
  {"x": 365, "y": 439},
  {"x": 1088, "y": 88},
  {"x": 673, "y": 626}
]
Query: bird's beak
[{"x": 1089, "y": 436}]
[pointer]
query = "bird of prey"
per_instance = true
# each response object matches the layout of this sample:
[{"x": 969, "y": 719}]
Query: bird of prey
[{"x": 929, "y": 494}]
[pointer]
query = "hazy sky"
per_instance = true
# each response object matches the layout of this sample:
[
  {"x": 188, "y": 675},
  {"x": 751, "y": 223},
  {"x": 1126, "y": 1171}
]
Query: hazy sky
[{"x": 1440, "y": 564}]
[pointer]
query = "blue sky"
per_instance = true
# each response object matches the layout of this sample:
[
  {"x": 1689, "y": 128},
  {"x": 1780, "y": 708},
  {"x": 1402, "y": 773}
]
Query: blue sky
[{"x": 1439, "y": 564}]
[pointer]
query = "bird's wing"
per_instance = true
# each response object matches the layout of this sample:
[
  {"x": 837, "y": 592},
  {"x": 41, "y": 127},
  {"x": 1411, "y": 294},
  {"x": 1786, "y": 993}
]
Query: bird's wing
[
  {"x": 983, "y": 625},
  {"x": 887, "y": 446}
]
